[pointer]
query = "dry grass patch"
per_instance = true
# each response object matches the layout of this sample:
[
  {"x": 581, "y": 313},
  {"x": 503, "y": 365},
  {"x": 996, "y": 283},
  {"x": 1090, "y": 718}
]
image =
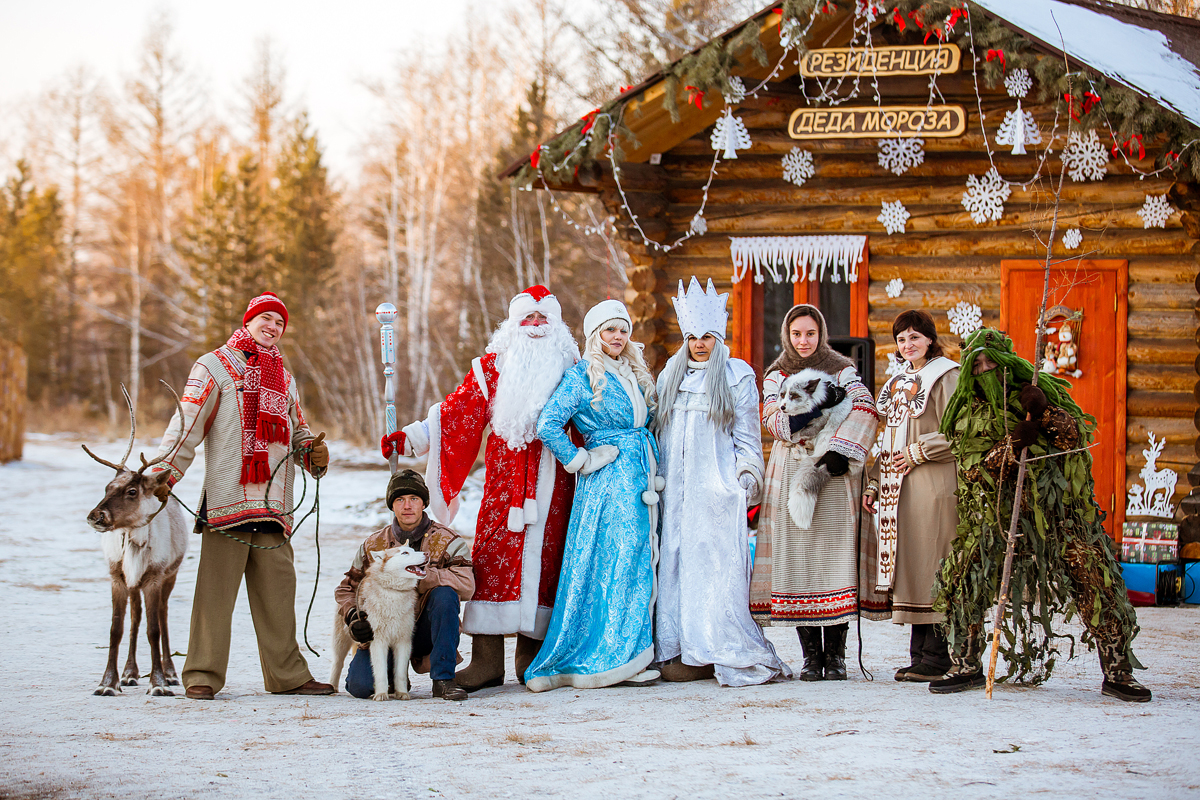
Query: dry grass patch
[
  {"x": 776, "y": 703},
  {"x": 421, "y": 723},
  {"x": 121, "y": 737},
  {"x": 523, "y": 738}
]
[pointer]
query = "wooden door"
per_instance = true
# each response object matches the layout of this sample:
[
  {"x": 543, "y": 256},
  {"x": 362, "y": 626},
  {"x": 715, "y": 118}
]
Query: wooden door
[{"x": 1099, "y": 289}]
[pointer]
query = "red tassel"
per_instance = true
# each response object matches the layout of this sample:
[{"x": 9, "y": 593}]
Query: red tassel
[{"x": 898, "y": 19}]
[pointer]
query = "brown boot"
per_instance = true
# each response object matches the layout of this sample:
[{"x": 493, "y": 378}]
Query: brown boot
[
  {"x": 527, "y": 650},
  {"x": 675, "y": 671},
  {"x": 487, "y": 663}
]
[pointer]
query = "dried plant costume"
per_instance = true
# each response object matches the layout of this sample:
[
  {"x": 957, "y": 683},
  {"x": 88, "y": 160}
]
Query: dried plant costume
[{"x": 1064, "y": 562}]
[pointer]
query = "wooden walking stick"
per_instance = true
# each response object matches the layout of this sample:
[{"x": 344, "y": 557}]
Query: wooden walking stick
[{"x": 386, "y": 314}]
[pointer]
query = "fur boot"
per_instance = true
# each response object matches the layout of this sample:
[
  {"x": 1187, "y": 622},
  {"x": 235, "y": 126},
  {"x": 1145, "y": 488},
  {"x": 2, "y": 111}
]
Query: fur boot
[
  {"x": 675, "y": 671},
  {"x": 527, "y": 650},
  {"x": 487, "y": 663},
  {"x": 1118, "y": 674}
]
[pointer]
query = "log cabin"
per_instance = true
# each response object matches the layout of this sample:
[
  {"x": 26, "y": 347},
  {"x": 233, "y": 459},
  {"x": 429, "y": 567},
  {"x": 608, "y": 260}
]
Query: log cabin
[{"x": 870, "y": 111}]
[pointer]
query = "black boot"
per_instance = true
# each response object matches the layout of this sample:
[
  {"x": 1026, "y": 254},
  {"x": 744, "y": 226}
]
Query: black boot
[
  {"x": 916, "y": 644},
  {"x": 1118, "y": 674},
  {"x": 934, "y": 661},
  {"x": 966, "y": 669},
  {"x": 835, "y": 651},
  {"x": 814, "y": 659}
]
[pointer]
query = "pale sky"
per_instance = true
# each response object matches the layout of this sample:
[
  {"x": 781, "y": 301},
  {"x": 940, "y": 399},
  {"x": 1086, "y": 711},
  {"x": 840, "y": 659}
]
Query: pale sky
[{"x": 327, "y": 49}]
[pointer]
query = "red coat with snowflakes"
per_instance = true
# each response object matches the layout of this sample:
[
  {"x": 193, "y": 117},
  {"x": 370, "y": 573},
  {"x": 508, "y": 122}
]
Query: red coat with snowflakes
[{"x": 524, "y": 514}]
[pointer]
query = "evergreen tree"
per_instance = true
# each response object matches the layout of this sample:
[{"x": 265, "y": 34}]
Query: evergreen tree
[{"x": 31, "y": 233}]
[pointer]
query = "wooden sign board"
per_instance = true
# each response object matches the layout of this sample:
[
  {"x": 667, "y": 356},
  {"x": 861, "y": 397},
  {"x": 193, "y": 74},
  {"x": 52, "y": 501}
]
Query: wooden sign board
[
  {"x": 877, "y": 122},
  {"x": 837, "y": 62}
]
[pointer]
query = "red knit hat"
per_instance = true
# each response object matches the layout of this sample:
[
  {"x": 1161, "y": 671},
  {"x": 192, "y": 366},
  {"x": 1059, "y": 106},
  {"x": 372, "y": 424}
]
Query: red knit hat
[{"x": 267, "y": 301}]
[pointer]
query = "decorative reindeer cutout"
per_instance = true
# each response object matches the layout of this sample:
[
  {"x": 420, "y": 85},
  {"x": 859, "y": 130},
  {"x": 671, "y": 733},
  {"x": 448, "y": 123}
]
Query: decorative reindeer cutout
[
  {"x": 1147, "y": 500},
  {"x": 144, "y": 551}
]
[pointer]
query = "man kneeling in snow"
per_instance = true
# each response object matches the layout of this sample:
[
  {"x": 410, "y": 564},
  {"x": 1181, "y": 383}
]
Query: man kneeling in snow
[{"x": 449, "y": 579}]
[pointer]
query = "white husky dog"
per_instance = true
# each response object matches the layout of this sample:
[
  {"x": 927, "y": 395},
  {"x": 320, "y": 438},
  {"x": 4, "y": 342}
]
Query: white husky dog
[
  {"x": 388, "y": 595},
  {"x": 809, "y": 391}
]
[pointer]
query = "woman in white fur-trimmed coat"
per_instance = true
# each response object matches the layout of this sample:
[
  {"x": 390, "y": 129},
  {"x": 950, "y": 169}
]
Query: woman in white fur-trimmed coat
[{"x": 711, "y": 457}]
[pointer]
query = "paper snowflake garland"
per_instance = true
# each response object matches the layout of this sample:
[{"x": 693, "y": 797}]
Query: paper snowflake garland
[
  {"x": 893, "y": 217},
  {"x": 798, "y": 166},
  {"x": 737, "y": 91},
  {"x": 1018, "y": 83},
  {"x": 894, "y": 287},
  {"x": 901, "y": 155},
  {"x": 984, "y": 197},
  {"x": 1155, "y": 211},
  {"x": 1086, "y": 158},
  {"x": 1072, "y": 238},
  {"x": 699, "y": 225},
  {"x": 1018, "y": 129},
  {"x": 965, "y": 318},
  {"x": 730, "y": 135},
  {"x": 1147, "y": 500}
]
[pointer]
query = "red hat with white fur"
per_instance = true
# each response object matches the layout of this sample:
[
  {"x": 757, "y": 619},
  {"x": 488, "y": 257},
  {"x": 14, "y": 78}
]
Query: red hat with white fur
[
  {"x": 535, "y": 298},
  {"x": 267, "y": 301}
]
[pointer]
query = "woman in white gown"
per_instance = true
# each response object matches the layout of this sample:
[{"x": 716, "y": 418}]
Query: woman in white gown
[{"x": 711, "y": 457}]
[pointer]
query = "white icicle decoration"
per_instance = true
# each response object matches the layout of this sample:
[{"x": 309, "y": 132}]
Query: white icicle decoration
[
  {"x": 730, "y": 135},
  {"x": 788, "y": 259}
]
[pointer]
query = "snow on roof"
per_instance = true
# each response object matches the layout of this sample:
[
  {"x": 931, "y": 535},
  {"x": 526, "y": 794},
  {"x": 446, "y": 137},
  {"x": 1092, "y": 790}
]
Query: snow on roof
[{"x": 1144, "y": 59}]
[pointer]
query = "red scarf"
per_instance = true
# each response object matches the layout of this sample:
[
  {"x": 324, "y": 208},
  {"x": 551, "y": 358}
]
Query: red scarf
[{"x": 264, "y": 405}]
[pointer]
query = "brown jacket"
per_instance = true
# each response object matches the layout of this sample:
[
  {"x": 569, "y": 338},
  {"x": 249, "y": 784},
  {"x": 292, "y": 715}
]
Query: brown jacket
[{"x": 449, "y": 565}]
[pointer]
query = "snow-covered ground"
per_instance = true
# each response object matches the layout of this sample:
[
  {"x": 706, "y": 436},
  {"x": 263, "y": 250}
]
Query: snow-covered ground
[{"x": 852, "y": 739}]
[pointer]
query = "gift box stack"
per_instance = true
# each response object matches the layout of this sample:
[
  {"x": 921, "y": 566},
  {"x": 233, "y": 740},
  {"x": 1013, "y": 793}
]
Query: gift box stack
[{"x": 1149, "y": 562}]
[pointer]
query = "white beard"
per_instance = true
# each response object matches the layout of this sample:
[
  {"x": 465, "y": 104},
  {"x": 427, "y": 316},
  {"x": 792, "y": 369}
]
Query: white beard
[{"x": 531, "y": 361}]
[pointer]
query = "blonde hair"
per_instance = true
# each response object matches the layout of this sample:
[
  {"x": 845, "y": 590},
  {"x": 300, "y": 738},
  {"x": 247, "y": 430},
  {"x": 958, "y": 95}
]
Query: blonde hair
[{"x": 593, "y": 351}]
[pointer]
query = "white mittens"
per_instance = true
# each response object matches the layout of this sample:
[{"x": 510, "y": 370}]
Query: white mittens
[{"x": 597, "y": 457}]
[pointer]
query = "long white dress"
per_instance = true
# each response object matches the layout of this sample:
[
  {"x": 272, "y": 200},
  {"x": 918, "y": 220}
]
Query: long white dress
[{"x": 703, "y": 611}]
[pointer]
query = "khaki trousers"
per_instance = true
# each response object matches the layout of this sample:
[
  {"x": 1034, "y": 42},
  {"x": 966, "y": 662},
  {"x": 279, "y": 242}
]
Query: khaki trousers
[{"x": 271, "y": 590}]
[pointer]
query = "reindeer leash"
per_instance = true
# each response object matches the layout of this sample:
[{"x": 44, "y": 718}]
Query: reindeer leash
[{"x": 277, "y": 516}]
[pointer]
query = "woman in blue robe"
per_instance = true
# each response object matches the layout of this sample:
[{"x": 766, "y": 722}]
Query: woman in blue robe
[{"x": 601, "y": 631}]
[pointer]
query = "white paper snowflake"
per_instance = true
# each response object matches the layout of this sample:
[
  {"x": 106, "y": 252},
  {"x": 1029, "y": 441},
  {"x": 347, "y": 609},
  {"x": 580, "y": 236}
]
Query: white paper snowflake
[
  {"x": 791, "y": 33},
  {"x": 1155, "y": 211},
  {"x": 1018, "y": 83},
  {"x": 1028, "y": 134},
  {"x": 1072, "y": 238},
  {"x": 965, "y": 318},
  {"x": 894, "y": 287},
  {"x": 985, "y": 196},
  {"x": 901, "y": 155},
  {"x": 699, "y": 224},
  {"x": 893, "y": 217},
  {"x": 896, "y": 364},
  {"x": 737, "y": 91},
  {"x": 798, "y": 166},
  {"x": 1085, "y": 156},
  {"x": 730, "y": 135}
]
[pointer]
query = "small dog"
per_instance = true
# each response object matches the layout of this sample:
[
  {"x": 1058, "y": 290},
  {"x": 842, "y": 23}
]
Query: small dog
[
  {"x": 806, "y": 392},
  {"x": 388, "y": 595}
]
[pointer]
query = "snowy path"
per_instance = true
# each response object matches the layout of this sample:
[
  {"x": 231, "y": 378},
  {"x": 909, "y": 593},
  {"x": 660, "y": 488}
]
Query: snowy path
[{"x": 697, "y": 740}]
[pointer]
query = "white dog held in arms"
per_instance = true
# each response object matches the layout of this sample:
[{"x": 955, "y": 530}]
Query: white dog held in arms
[
  {"x": 806, "y": 392},
  {"x": 388, "y": 595}
]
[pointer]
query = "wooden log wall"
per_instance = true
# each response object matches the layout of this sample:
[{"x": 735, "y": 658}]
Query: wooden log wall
[
  {"x": 943, "y": 257},
  {"x": 12, "y": 401}
]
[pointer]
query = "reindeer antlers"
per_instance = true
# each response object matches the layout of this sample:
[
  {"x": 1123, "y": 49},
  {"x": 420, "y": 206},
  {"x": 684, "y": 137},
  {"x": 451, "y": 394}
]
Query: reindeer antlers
[{"x": 133, "y": 433}]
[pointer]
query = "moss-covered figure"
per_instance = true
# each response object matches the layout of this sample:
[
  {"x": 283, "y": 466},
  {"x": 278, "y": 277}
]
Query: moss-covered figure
[{"x": 1064, "y": 562}]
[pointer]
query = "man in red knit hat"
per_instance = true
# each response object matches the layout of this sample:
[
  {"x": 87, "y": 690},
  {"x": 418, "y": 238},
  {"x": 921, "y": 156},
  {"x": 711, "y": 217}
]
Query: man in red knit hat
[
  {"x": 243, "y": 403},
  {"x": 527, "y": 494}
]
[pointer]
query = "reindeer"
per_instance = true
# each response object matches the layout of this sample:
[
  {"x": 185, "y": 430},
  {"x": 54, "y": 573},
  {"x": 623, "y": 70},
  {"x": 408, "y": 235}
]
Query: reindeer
[{"x": 144, "y": 550}]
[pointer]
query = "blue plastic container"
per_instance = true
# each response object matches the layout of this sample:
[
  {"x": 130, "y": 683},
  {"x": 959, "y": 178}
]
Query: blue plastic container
[
  {"x": 1141, "y": 581},
  {"x": 1191, "y": 582}
]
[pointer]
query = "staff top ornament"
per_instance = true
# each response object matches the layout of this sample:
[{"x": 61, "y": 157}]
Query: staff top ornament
[{"x": 701, "y": 311}]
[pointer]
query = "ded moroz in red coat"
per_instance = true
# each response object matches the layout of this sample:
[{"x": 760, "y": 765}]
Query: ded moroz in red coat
[{"x": 523, "y": 518}]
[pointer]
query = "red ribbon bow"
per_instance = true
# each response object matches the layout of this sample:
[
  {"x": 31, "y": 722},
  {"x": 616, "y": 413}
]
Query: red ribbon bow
[
  {"x": 916, "y": 20},
  {"x": 994, "y": 54},
  {"x": 392, "y": 443},
  {"x": 589, "y": 119},
  {"x": 955, "y": 15},
  {"x": 1071, "y": 106},
  {"x": 1116, "y": 149},
  {"x": 695, "y": 96},
  {"x": 898, "y": 18},
  {"x": 1090, "y": 99},
  {"x": 933, "y": 32},
  {"x": 1171, "y": 156}
]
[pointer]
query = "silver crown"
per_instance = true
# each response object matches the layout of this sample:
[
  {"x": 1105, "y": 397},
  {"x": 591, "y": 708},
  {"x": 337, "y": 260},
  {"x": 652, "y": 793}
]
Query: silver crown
[{"x": 701, "y": 311}]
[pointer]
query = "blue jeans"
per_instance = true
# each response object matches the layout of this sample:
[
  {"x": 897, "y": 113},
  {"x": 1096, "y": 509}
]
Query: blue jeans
[{"x": 435, "y": 635}]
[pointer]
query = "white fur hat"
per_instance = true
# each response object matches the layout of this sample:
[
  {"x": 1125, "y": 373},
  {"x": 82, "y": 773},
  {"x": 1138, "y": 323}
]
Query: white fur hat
[
  {"x": 602, "y": 312},
  {"x": 535, "y": 298}
]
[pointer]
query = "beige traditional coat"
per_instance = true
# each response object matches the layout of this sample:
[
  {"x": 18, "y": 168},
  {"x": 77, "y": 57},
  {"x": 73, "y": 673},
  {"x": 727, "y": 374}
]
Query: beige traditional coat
[
  {"x": 808, "y": 577},
  {"x": 927, "y": 516}
]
